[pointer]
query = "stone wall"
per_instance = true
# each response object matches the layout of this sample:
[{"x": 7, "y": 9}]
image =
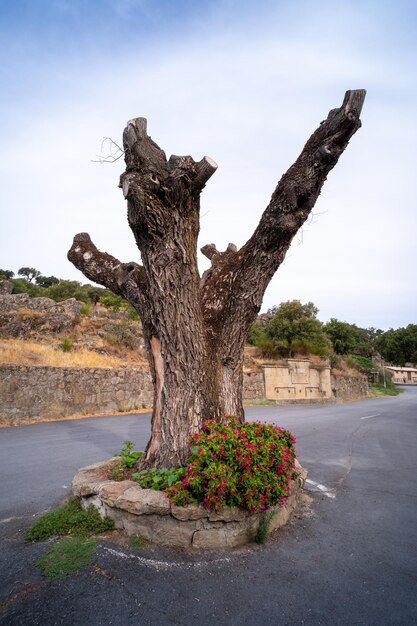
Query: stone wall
[
  {"x": 31, "y": 392},
  {"x": 253, "y": 386},
  {"x": 347, "y": 388},
  {"x": 53, "y": 392}
]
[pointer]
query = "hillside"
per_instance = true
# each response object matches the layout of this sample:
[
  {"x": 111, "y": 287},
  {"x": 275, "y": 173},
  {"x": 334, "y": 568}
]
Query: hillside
[{"x": 40, "y": 331}]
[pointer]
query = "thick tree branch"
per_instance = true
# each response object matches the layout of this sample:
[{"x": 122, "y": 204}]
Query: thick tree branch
[
  {"x": 233, "y": 289},
  {"x": 299, "y": 188},
  {"x": 124, "y": 279}
]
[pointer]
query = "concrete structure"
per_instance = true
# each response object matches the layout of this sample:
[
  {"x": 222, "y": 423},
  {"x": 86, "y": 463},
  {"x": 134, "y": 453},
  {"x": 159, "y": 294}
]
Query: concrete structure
[
  {"x": 403, "y": 375},
  {"x": 298, "y": 380}
]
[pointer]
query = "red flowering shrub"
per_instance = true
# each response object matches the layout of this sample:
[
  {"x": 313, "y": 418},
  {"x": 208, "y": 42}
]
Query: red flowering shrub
[{"x": 248, "y": 465}]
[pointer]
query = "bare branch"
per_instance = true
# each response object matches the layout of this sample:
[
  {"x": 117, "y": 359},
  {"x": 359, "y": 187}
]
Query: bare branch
[{"x": 110, "y": 158}]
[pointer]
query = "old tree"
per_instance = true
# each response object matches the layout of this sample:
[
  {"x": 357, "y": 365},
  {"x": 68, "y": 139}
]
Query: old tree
[{"x": 195, "y": 326}]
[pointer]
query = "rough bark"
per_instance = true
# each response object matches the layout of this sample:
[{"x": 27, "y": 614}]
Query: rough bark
[{"x": 194, "y": 327}]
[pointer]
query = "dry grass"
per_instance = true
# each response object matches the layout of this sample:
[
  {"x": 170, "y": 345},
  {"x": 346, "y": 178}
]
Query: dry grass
[{"x": 23, "y": 352}]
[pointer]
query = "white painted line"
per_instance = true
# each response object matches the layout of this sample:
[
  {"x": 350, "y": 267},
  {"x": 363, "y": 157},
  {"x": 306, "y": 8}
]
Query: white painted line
[
  {"x": 163, "y": 564},
  {"x": 366, "y": 417},
  {"x": 326, "y": 490},
  {"x": 10, "y": 519}
]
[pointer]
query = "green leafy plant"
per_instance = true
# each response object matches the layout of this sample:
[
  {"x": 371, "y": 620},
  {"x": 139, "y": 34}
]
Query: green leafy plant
[
  {"x": 66, "y": 345},
  {"x": 129, "y": 454},
  {"x": 69, "y": 519},
  {"x": 232, "y": 464},
  {"x": 158, "y": 478},
  {"x": 67, "y": 556}
]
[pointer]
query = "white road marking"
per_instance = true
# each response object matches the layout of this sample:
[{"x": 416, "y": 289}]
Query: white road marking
[
  {"x": 326, "y": 490},
  {"x": 366, "y": 417},
  {"x": 10, "y": 519},
  {"x": 163, "y": 564}
]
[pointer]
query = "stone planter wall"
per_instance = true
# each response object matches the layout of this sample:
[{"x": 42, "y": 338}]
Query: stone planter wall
[{"x": 149, "y": 513}]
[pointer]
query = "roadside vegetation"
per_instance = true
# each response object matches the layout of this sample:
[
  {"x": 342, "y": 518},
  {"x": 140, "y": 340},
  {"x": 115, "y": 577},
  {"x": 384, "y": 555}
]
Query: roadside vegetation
[
  {"x": 292, "y": 329},
  {"x": 76, "y": 547},
  {"x": 24, "y": 352}
]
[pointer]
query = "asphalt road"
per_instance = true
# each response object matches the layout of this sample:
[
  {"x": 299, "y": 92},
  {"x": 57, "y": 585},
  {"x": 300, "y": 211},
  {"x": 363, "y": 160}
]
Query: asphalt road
[{"x": 348, "y": 557}]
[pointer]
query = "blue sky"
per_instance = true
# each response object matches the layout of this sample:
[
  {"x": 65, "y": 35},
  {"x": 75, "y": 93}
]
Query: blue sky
[{"x": 245, "y": 83}]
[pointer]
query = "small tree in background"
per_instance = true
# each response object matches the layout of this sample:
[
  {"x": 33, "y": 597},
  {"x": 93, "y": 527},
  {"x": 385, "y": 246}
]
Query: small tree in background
[
  {"x": 29, "y": 273},
  {"x": 399, "y": 346},
  {"x": 293, "y": 328},
  {"x": 6, "y": 274}
]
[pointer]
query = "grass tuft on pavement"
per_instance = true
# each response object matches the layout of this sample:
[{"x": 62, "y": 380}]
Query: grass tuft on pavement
[
  {"x": 67, "y": 557},
  {"x": 69, "y": 519}
]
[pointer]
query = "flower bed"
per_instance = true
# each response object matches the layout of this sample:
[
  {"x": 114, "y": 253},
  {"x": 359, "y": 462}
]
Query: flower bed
[{"x": 152, "y": 515}]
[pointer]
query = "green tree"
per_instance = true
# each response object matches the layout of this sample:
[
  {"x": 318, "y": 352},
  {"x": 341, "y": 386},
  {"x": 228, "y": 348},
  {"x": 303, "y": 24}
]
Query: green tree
[
  {"x": 21, "y": 285},
  {"x": 342, "y": 335},
  {"x": 30, "y": 273},
  {"x": 65, "y": 289},
  {"x": 113, "y": 302},
  {"x": 46, "y": 281},
  {"x": 294, "y": 328},
  {"x": 399, "y": 346},
  {"x": 6, "y": 274}
]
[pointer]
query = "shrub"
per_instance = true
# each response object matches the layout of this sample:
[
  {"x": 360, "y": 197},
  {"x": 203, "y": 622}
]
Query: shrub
[
  {"x": 66, "y": 345},
  {"x": 69, "y": 519},
  {"x": 248, "y": 465},
  {"x": 360, "y": 363},
  {"x": 123, "y": 334}
]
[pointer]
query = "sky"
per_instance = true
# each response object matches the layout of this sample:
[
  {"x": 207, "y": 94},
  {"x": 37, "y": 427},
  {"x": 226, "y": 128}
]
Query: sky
[{"x": 245, "y": 83}]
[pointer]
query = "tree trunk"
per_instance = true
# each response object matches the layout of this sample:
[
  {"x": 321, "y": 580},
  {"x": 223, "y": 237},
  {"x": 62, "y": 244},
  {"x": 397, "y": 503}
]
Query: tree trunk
[{"x": 195, "y": 328}]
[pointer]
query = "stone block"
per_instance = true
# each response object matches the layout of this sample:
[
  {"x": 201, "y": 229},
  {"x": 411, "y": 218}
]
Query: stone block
[
  {"x": 209, "y": 538},
  {"x": 189, "y": 512},
  {"x": 228, "y": 514},
  {"x": 143, "y": 501},
  {"x": 110, "y": 492}
]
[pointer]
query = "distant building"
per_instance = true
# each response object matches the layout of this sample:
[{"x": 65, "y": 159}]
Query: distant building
[{"x": 403, "y": 375}]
